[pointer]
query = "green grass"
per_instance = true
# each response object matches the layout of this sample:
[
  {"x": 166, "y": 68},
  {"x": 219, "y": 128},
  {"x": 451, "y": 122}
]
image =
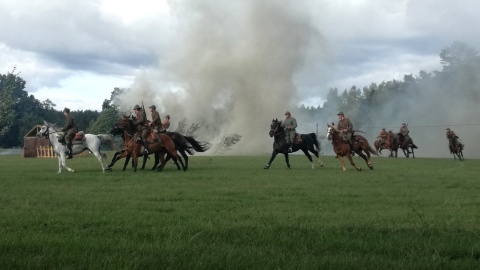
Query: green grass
[{"x": 229, "y": 213}]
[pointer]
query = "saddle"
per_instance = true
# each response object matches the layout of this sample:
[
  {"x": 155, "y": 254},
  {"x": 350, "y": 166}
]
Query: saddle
[
  {"x": 77, "y": 139},
  {"x": 298, "y": 139}
]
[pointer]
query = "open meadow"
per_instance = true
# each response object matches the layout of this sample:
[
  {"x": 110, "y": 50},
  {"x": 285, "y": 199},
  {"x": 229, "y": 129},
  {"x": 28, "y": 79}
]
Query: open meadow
[{"x": 229, "y": 213}]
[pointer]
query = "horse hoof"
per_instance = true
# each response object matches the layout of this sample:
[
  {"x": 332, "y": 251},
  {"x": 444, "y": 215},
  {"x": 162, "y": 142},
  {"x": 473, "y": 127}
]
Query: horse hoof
[
  {"x": 266, "y": 167},
  {"x": 370, "y": 166}
]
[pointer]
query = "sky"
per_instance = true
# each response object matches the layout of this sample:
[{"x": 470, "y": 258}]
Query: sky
[{"x": 257, "y": 58}]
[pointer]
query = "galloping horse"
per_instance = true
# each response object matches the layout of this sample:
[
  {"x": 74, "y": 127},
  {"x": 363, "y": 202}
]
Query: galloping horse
[
  {"x": 179, "y": 140},
  {"x": 391, "y": 143},
  {"x": 342, "y": 148},
  {"x": 406, "y": 145},
  {"x": 160, "y": 144},
  {"x": 88, "y": 142},
  {"x": 308, "y": 143},
  {"x": 456, "y": 148}
]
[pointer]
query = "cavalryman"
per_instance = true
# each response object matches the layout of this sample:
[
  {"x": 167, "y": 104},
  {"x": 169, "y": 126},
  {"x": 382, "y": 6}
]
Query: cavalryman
[
  {"x": 451, "y": 136},
  {"x": 155, "y": 123},
  {"x": 165, "y": 123},
  {"x": 141, "y": 125},
  {"x": 345, "y": 126},
  {"x": 69, "y": 131},
  {"x": 404, "y": 131},
  {"x": 290, "y": 124},
  {"x": 382, "y": 137}
]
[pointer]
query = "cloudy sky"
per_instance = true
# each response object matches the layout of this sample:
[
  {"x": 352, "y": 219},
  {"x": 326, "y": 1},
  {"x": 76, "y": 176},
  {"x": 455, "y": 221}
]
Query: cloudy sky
[
  {"x": 254, "y": 58},
  {"x": 75, "y": 52}
]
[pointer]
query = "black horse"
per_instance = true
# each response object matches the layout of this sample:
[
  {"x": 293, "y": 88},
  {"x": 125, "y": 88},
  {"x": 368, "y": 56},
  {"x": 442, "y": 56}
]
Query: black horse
[
  {"x": 407, "y": 145},
  {"x": 307, "y": 142}
]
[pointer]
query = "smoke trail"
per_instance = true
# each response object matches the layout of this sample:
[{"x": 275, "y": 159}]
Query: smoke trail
[{"x": 231, "y": 67}]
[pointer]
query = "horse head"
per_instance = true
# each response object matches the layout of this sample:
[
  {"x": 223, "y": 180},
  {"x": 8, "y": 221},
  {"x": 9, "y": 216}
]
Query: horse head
[
  {"x": 275, "y": 127},
  {"x": 44, "y": 130},
  {"x": 331, "y": 131}
]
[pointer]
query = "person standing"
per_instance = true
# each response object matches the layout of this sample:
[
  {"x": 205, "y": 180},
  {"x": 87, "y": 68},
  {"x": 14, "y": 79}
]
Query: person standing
[
  {"x": 290, "y": 124},
  {"x": 141, "y": 125},
  {"x": 69, "y": 131},
  {"x": 155, "y": 123}
]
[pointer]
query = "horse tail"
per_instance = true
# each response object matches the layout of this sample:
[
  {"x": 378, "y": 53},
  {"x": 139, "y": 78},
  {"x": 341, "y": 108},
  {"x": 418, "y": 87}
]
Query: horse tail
[
  {"x": 198, "y": 146},
  {"x": 107, "y": 139},
  {"x": 373, "y": 151},
  {"x": 315, "y": 141}
]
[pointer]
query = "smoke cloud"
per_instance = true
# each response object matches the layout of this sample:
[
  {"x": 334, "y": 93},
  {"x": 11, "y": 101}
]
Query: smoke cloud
[{"x": 232, "y": 67}]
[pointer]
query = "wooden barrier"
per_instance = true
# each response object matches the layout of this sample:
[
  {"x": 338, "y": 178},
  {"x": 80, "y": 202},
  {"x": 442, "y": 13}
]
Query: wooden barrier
[{"x": 45, "y": 152}]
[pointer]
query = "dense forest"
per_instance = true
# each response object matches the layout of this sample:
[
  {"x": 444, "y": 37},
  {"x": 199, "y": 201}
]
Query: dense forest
[{"x": 455, "y": 87}]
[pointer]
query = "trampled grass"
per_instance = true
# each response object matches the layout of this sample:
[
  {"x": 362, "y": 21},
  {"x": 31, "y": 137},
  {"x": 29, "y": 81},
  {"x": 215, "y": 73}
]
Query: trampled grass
[{"x": 230, "y": 213}]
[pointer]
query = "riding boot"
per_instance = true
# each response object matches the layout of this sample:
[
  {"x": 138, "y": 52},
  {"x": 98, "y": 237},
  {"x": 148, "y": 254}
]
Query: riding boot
[
  {"x": 69, "y": 147},
  {"x": 413, "y": 145},
  {"x": 145, "y": 145},
  {"x": 289, "y": 147}
]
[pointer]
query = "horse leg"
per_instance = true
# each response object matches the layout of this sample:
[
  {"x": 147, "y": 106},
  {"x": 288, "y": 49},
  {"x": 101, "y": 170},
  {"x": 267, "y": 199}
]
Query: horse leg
[
  {"x": 99, "y": 156},
  {"x": 62, "y": 163},
  {"x": 185, "y": 157},
  {"x": 366, "y": 158},
  {"x": 351, "y": 162},
  {"x": 157, "y": 158},
  {"x": 162, "y": 162},
  {"x": 317, "y": 154},
  {"x": 305, "y": 151},
  {"x": 342, "y": 162},
  {"x": 287, "y": 160},
  {"x": 274, "y": 154},
  {"x": 413, "y": 154}
]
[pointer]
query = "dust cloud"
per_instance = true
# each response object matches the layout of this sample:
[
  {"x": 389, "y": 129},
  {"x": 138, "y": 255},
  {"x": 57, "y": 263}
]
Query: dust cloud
[{"x": 231, "y": 67}]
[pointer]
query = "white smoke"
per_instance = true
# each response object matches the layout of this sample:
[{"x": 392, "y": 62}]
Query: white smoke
[{"x": 231, "y": 66}]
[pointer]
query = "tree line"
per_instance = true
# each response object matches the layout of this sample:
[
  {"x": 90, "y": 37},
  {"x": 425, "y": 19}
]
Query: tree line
[{"x": 455, "y": 86}]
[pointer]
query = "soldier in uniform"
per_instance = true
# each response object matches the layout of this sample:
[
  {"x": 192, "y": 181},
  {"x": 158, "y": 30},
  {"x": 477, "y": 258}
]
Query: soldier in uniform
[
  {"x": 165, "y": 123},
  {"x": 382, "y": 137},
  {"x": 452, "y": 137},
  {"x": 141, "y": 125},
  {"x": 290, "y": 124},
  {"x": 69, "y": 131},
  {"x": 345, "y": 126},
  {"x": 404, "y": 131},
  {"x": 155, "y": 123}
]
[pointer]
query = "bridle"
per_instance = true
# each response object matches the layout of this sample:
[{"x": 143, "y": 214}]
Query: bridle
[
  {"x": 275, "y": 133},
  {"x": 47, "y": 132}
]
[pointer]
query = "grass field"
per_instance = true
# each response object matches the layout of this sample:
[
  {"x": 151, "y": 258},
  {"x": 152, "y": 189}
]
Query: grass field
[{"x": 230, "y": 213}]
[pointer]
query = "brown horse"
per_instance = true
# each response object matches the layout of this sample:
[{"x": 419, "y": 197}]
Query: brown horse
[
  {"x": 456, "y": 148},
  {"x": 343, "y": 149},
  {"x": 391, "y": 143},
  {"x": 159, "y": 144}
]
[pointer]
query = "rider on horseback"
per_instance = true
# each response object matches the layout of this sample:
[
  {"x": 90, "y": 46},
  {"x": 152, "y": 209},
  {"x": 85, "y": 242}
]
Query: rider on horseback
[
  {"x": 141, "y": 125},
  {"x": 404, "y": 131},
  {"x": 69, "y": 131},
  {"x": 290, "y": 124},
  {"x": 155, "y": 123},
  {"x": 382, "y": 137},
  {"x": 165, "y": 124},
  {"x": 345, "y": 126},
  {"x": 452, "y": 138}
]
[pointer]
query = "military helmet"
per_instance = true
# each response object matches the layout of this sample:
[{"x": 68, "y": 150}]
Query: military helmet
[
  {"x": 137, "y": 107},
  {"x": 383, "y": 128},
  {"x": 153, "y": 107},
  {"x": 287, "y": 113},
  {"x": 340, "y": 113},
  {"x": 167, "y": 116},
  {"x": 448, "y": 128},
  {"x": 404, "y": 124},
  {"x": 67, "y": 110}
]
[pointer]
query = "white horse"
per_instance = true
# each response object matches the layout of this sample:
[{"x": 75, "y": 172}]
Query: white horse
[{"x": 89, "y": 142}]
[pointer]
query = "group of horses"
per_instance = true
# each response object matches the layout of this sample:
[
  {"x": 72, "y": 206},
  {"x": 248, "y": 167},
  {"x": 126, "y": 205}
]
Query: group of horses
[
  {"x": 309, "y": 143},
  {"x": 164, "y": 146},
  {"x": 393, "y": 142}
]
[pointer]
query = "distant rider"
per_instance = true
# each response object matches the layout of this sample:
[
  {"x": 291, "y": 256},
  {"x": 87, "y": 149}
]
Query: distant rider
[
  {"x": 290, "y": 124},
  {"x": 404, "y": 131},
  {"x": 382, "y": 137},
  {"x": 69, "y": 131},
  {"x": 141, "y": 125}
]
